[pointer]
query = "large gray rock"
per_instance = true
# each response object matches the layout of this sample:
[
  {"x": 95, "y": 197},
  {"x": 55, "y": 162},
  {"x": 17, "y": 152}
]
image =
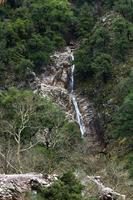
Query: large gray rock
[{"x": 12, "y": 186}]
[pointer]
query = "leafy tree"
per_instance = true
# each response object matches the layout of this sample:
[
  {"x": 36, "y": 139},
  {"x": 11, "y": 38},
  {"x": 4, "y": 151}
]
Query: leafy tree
[
  {"x": 57, "y": 12},
  {"x": 91, "y": 59},
  {"x": 24, "y": 67},
  {"x": 102, "y": 67},
  {"x": 23, "y": 28},
  {"x": 82, "y": 60},
  {"x": 32, "y": 30},
  {"x": 125, "y": 7},
  {"x": 124, "y": 87},
  {"x": 124, "y": 118},
  {"x": 27, "y": 120},
  {"x": 86, "y": 20},
  {"x": 100, "y": 39},
  {"x": 102, "y": 47},
  {"x": 123, "y": 34},
  {"x": 9, "y": 34}
]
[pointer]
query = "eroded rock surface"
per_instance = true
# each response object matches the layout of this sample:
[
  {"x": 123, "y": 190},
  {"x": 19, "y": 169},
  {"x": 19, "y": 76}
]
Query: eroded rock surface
[
  {"x": 56, "y": 83},
  {"x": 13, "y": 186}
]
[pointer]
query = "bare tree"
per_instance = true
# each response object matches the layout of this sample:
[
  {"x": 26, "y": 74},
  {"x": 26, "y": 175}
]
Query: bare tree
[{"x": 13, "y": 129}]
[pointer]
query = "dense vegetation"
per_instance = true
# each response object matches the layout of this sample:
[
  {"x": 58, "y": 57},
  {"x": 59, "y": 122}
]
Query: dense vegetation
[
  {"x": 30, "y": 31},
  {"x": 28, "y": 36},
  {"x": 29, "y": 121},
  {"x": 104, "y": 65},
  {"x": 66, "y": 188}
]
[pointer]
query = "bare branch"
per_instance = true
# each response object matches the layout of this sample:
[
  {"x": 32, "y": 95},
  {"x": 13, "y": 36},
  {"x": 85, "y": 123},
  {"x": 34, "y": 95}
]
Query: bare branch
[
  {"x": 30, "y": 147},
  {"x": 3, "y": 156}
]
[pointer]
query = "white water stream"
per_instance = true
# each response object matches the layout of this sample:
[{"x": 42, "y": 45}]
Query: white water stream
[{"x": 77, "y": 111}]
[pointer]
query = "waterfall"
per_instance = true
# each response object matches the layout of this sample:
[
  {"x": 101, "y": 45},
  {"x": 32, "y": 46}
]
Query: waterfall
[
  {"x": 61, "y": 79},
  {"x": 74, "y": 101}
]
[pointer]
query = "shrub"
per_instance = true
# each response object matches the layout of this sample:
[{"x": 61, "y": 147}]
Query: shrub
[{"x": 66, "y": 188}]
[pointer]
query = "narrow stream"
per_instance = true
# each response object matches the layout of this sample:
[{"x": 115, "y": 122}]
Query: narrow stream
[{"x": 73, "y": 97}]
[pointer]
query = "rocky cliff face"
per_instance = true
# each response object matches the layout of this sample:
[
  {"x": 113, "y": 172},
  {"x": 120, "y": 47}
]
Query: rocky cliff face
[
  {"x": 57, "y": 83},
  {"x": 54, "y": 82}
]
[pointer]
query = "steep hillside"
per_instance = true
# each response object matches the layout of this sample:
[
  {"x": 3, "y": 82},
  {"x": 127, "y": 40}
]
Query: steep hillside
[
  {"x": 104, "y": 74},
  {"x": 66, "y": 96}
]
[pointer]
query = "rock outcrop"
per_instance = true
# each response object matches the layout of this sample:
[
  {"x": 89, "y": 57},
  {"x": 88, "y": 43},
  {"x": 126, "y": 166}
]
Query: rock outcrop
[
  {"x": 55, "y": 83},
  {"x": 13, "y": 186},
  {"x": 105, "y": 193}
]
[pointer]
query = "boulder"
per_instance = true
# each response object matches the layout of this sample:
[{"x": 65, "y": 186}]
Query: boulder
[{"x": 13, "y": 186}]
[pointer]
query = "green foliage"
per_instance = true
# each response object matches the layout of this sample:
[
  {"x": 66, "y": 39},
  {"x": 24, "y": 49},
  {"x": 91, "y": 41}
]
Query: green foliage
[
  {"x": 130, "y": 165},
  {"x": 42, "y": 113},
  {"x": 100, "y": 38},
  {"x": 98, "y": 67},
  {"x": 123, "y": 37},
  {"x": 125, "y": 7},
  {"x": 93, "y": 48},
  {"x": 124, "y": 118},
  {"x": 124, "y": 87},
  {"x": 102, "y": 67},
  {"x": 104, "y": 64},
  {"x": 85, "y": 20},
  {"x": 103, "y": 47},
  {"x": 34, "y": 29},
  {"x": 14, "y": 3},
  {"x": 66, "y": 188},
  {"x": 57, "y": 12},
  {"x": 23, "y": 67},
  {"x": 26, "y": 116}
]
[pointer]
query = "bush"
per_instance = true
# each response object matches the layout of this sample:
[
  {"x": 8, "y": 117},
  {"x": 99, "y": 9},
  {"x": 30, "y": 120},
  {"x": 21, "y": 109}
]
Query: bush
[
  {"x": 123, "y": 38},
  {"x": 102, "y": 67},
  {"x": 123, "y": 119},
  {"x": 85, "y": 20},
  {"x": 24, "y": 67},
  {"x": 66, "y": 188},
  {"x": 125, "y": 8}
]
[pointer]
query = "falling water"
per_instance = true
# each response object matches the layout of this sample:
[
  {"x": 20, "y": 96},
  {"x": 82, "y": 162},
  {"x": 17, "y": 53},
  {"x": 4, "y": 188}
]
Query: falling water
[{"x": 78, "y": 114}]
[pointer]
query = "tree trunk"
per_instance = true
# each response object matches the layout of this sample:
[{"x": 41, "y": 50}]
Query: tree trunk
[{"x": 18, "y": 153}]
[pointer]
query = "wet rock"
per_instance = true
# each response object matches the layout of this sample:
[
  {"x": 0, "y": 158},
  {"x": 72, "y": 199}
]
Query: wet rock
[{"x": 57, "y": 83}]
